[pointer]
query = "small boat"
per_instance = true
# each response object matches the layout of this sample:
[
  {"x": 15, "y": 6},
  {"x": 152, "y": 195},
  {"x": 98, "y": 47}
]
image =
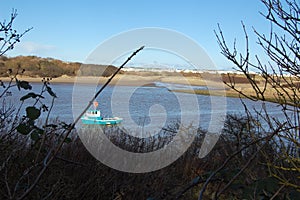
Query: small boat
[{"x": 94, "y": 117}]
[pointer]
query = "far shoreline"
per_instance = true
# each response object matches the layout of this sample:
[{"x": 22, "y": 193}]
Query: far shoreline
[
  {"x": 119, "y": 79},
  {"x": 217, "y": 86}
]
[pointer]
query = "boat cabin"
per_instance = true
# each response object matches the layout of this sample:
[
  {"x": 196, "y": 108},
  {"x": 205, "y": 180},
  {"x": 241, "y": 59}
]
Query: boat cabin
[{"x": 93, "y": 114}]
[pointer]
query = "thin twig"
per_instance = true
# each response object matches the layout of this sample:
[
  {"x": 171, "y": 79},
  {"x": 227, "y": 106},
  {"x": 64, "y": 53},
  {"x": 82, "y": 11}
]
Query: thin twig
[
  {"x": 71, "y": 127},
  {"x": 268, "y": 137},
  {"x": 71, "y": 161},
  {"x": 45, "y": 128},
  {"x": 277, "y": 192}
]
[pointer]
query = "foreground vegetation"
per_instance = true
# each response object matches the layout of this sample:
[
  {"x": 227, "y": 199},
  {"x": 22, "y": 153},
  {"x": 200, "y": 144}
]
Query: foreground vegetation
[{"x": 75, "y": 174}]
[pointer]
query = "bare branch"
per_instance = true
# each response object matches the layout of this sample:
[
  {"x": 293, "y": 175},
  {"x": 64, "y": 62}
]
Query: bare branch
[
  {"x": 8, "y": 35},
  {"x": 47, "y": 161}
]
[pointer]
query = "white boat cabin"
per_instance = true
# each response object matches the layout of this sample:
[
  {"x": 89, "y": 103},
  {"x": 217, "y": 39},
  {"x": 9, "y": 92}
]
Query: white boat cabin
[{"x": 93, "y": 113}]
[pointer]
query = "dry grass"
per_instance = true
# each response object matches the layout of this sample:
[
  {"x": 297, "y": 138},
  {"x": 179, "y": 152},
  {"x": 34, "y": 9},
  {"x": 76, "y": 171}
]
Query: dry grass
[{"x": 77, "y": 175}]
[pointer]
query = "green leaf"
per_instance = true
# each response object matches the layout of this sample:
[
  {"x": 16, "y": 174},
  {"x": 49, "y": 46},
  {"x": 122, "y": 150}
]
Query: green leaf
[
  {"x": 31, "y": 95},
  {"x": 27, "y": 96},
  {"x": 35, "y": 136},
  {"x": 49, "y": 90},
  {"x": 32, "y": 112},
  {"x": 30, "y": 122},
  {"x": 25, "y": 85},
  {"x": 23, "y": 129}
]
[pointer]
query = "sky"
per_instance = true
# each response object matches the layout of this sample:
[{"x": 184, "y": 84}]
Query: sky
[{"x": 72, "y": 30}]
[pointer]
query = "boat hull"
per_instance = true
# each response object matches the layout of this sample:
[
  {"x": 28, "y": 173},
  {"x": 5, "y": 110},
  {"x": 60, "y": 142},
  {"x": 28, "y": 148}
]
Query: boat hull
[{"x": 104, "y": 121}]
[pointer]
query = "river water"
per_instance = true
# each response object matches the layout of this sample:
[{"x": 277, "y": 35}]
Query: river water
[{"x": 142, "y": 107}]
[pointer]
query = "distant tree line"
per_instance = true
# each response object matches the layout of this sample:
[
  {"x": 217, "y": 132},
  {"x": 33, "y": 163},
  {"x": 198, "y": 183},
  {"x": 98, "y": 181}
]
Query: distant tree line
[{"x": 48, "y": 67}]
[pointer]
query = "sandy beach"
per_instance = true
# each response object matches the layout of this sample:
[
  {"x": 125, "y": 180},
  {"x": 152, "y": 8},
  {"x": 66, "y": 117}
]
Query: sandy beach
[
  {"x": 213, "y": 82},
  {"x": 119, "y": 79}
]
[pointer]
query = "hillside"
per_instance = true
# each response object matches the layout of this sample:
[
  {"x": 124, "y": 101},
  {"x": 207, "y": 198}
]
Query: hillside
[{"x": 49, "y": 67}]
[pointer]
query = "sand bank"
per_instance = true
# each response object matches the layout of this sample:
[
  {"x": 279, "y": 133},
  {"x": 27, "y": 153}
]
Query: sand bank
[
  {"x": 218, "y": 87},
  {"x": 119, "y": 79}
]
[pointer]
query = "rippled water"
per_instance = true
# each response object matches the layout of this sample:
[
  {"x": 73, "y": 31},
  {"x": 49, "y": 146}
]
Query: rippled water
[{"x": 140, "y": 107}]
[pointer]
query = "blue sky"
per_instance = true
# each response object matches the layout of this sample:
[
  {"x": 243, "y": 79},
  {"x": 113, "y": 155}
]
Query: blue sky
[{"x": 71, "y": 30}]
